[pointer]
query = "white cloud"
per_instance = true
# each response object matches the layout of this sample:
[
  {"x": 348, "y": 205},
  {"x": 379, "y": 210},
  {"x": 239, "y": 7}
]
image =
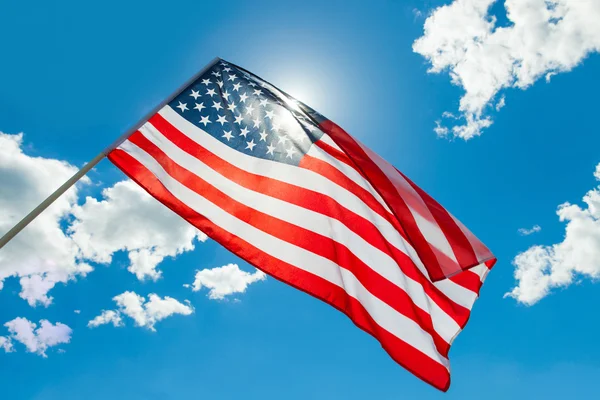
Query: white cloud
[
  {"x": 130, "y": 219},
  {"x": 501, "y": 103},
  {"x": 144, "y": 313},
  {"x": 439, "y": 129},
  {"x": 225, "y": 280},
  {"x": 106, "y": 317},
  {"x": 40, "y": 339},
  {"x": 77, "y": 311},
  {"x": 6, "y": 344},
  {"x": 545, "y": 37},
  {"x": 549, "y": 76},
  {"x": 542, "y": 268},
  {"x": 527, "y": 232},
  {"x": 41, "y": 255}
]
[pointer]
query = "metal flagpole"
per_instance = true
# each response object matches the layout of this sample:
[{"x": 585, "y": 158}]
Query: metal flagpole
[{"x": 79, "y": 174}]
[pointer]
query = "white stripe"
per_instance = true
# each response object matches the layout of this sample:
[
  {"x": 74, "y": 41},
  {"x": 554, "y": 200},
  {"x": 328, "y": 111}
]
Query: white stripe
[
  {"x": 475, "y": 243},
  {"x": 397, "y": 324},
  {"x": 429, "y": 228},
  {"x": 287, "y": 173},
  {"x": 309, "y": 180},
  {"x": 350, "y": 173},
  {"x": 328, "y": 140},
  {"x": 460, "y": 294},
  {"x": 379, "y": 261},
  {"x": 481, "y": 270},
  {"x": 457, "y": 293},
  {"x": 468, "y": 297}
]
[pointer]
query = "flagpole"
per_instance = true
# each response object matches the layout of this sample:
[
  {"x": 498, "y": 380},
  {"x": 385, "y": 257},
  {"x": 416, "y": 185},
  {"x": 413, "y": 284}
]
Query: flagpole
[{"x": 87, "y": 167}]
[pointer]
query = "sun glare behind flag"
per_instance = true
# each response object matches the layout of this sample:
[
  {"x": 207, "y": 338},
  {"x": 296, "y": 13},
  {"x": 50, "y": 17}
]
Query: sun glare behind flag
[{"x": 294, "y": 195}]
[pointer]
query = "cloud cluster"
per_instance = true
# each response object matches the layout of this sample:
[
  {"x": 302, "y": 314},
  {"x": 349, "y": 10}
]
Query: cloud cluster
[
  {"x": 106, "y": 317},
  {"x": 532, "y": 230},
  {"x": 544, "y": 37},
  {"x": 542, "y": 268},
  {"x": 226, "y": 280},
  {"x": 36, "y": 340},
  {"x": 6, "y": 344},
  {"x": 43, "y": 254},
  {"x": 145, "y": 313},
  {"x": 131, "y": 220}
]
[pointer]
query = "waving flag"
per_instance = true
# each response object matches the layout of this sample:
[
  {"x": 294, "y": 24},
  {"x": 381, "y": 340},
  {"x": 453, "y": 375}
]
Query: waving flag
[{"x": 294, "y": 195}]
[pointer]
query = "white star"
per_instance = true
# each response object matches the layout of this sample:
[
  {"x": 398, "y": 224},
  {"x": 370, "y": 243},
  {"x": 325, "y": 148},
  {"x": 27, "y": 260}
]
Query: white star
[
  {"x": 237, "y": 87},
  {"x": 205, "y": 121},
  {"x": 270, "y": 149},
  {"x": 263, "y": 136},
  {"x": 211, "y": 92},
  {"x": 231, "y": 106},
  {"x": 217, "y": 105},
  {"x": 226, "y": 95},
  {"x": 232, "y": 77},
  {"x": 216, "y": 73},
  {"x": 182, "y": 106},
  {"x": 206, "y": 81},
  {"x": 290, "y": 152},
  {"x": 239, "y": 119},
  {"x": 264, "y": 102},
  {"x": 250, "y": 145},
  {"x": 244, "y": 132},
  {"x": 256, "y": 122},
  {"x": 199, "y": 107},
  {"x": 310, "y": 127},
  {"x": 243, "y": 97},
  {"x": 257, "y": 92},
  {"x": 227, "y": 135},
  {"x": 223, "y": 63},
  {"x": 282, "y": 140},
  {"x": 220, "y": 83},
  {"x": 269, "y": 114},
  {"x": 252, "y": 84},
  {"x": 227, "y": 69},
  {"x": 275, "y": 127},
  {"x": 222, "y": 119},
  {"x": 249, "y": 110},
  {"x": 195, "y": 94}
]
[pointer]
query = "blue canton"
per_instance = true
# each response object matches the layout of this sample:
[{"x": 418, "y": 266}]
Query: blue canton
[{"x": 249, "y": 115}]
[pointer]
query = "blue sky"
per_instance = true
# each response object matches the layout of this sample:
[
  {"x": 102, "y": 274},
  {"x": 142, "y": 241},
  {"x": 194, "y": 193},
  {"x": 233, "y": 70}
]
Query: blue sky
[{"x": 74, "y": 76}]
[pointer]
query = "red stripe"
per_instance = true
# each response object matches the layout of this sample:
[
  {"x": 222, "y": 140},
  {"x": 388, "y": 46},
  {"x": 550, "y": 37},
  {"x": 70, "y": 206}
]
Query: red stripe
[
  {"x": 468, "y": 279},
  {"x": 317, "y": 202},
  {"x": 410, "y": 358},
  {"x": 306, "y": 239},
  {"x": 333, "y": 174},
  {"x": 458, "y": 241},
  {"x": 338, "y": 155},
  {"x": 482, "y": 252},
  {"x": 339, "y": 178},
  {"x": 389, "y": 193}
]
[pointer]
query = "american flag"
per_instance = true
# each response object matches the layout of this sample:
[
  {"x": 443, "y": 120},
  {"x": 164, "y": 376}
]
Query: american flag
[{"x": 294, "y": 195}]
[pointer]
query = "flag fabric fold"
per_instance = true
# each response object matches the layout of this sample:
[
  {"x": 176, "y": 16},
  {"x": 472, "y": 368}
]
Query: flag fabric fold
[{"x": 293, "y": 194}]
